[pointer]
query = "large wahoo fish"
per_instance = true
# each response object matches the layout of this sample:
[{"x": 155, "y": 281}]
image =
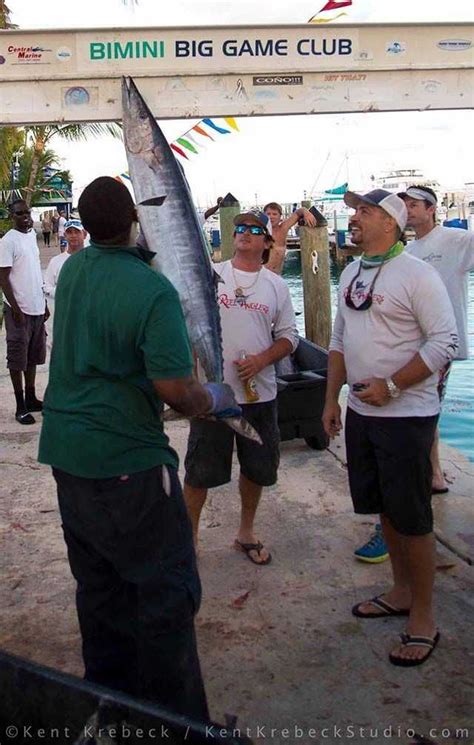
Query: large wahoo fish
[{"x": 171, "y": 227}]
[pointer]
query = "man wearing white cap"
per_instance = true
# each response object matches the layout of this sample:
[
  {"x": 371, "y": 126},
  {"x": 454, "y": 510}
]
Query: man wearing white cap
[
  {"x": 451, "y": 252},
  {"x": 75, "y": 236},
  {"x": 394, "y": 329}
]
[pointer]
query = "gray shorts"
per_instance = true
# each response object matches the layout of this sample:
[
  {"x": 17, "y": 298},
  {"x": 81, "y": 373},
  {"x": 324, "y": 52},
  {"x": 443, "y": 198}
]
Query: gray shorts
[
  {"x": 26, "y": 344},
  {"x": 208, "y": 461}
]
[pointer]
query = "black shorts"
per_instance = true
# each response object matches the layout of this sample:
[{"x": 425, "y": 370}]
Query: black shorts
[
  {"x": 26, "y": 344},
  {"x": 208, "y": 461},
  {"x": 390, "y": 472}
]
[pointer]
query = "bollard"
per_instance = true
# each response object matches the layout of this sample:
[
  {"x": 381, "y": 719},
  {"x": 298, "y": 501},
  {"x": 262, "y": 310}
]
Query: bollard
[
  {"x": 229, "y": 208},
  {"x": 314, "y": 249}
]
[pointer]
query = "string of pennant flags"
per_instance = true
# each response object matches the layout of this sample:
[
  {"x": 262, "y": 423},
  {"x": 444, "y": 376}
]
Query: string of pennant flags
[{"x": 191, "y": 141}]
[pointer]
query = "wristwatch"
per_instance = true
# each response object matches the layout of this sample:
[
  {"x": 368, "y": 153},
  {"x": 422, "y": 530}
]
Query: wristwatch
[{"x": 393, "y": 390}]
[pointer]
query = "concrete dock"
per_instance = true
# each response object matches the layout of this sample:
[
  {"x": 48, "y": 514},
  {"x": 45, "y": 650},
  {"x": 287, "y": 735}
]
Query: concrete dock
[{"x": 278, "y": 644}]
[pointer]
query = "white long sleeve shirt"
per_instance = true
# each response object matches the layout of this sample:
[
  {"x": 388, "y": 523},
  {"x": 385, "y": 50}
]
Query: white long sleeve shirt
[
  {"x": 451, "y": 252},
  {"x": 410, "y": 313},
  {"x": 52, "y": 272}
]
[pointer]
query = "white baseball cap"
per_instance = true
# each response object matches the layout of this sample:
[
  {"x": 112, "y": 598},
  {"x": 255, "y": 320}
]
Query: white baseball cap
[{"x": 391, "y": 203}]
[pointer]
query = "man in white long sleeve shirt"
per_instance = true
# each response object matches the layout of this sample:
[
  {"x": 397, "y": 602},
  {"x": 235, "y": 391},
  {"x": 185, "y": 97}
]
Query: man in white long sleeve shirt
[
  {"x": 451, "y": 252},
  {"x": 394, "y": 329},
  {"x": 75, "y": 235}
]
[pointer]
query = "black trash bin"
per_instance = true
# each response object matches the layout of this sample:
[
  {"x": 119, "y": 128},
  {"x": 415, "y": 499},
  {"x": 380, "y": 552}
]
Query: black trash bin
[
  {"x": 39, "y": 704},
  {"x": 301, "y": 396}
]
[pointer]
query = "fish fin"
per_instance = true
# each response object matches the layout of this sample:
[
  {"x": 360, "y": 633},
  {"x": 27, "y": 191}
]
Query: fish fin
[
  {"x": 153, "y": 202},
  {"x": 242, "y": 427}
]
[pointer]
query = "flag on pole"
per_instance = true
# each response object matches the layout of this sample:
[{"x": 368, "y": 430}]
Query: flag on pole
[{"x": 322, "y": 15}]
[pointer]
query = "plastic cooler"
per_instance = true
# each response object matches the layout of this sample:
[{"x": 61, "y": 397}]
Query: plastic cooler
[{"x": 301, "y": 396}]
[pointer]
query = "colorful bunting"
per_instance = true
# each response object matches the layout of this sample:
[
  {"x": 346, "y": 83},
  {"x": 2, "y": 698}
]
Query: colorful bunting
[
  {"x": 188, "y": 141},
  {"x": 185, "y": 143},
  {"x": 202, "y": 131},
  {"x": 178, "y": 150},
  {"x": 231, "y": 122},
  {"x": 211, "y": 124}
]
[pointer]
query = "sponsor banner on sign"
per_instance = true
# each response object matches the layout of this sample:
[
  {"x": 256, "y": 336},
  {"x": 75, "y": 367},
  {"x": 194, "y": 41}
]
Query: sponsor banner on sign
[
  {"x": 28, "y": 55},
  {"x": 454, "y": 45},
  {"x": 278, "y": 80}
]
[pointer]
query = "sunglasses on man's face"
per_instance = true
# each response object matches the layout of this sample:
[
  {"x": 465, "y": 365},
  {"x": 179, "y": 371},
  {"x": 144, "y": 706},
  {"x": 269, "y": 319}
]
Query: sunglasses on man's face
[
  {"x": 20, "y": 213},
  {"x": 254, "y": 229}
]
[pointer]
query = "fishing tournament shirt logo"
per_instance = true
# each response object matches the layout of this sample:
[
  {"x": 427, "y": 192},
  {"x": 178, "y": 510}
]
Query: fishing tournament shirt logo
[
  {"x": 227, "y": 301},
  {"x": 27, "y": 55},
  {"x": 360, "y": 293}
]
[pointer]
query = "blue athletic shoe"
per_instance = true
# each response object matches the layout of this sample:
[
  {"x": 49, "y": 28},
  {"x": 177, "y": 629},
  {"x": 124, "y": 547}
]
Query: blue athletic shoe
[{"x": 375, "y": 550}]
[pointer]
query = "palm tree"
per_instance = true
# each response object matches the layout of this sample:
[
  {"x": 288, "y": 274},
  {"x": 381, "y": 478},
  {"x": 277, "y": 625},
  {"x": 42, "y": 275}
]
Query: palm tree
[
  {"x": 12, "y": 140},
  {"x": 5, "y": 16},
  {"x": 39, "y": 137}
]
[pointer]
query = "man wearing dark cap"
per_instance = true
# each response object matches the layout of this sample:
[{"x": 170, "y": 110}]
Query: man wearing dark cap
[
  {"x": 120, "y": 350},
  {"x": 451, "y": 252},
  {"x": 258, "y": 329},
  {"x": 389, "y": 340}
]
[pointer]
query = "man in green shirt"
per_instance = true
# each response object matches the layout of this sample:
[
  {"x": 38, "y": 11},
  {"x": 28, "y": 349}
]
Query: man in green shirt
[{"x": 120, "y": 350}]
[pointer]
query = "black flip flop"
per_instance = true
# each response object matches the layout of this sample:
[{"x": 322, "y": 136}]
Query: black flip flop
[
  {"x": 25, "y": 418},
  {"x": 440, "y": 491},
  {"x": 386, "y": 608},
  {"x": 247, "y": 547},
  {"x": 411, "y": 641}
]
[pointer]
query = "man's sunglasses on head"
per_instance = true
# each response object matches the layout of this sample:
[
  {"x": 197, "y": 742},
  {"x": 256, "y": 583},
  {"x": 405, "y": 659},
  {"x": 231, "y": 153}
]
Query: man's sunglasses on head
[{"x": 254, "y": 229}]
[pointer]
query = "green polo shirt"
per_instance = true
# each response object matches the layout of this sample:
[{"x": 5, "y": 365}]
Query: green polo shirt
[{"x": 118, "y": 325}]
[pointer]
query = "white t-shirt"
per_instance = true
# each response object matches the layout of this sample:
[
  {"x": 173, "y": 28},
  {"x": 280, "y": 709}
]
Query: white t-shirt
[
  {"x": 410, "y": 312},
  {"x": 20, "y": 252},
  {"x": 253, "y": 324},
  {"x": 61, "y": 224},
  {"x": 451, "y": 252},
  {"x": 52, "y": 273}
]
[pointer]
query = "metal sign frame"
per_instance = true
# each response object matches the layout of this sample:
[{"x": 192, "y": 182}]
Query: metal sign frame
[{"x": 74, "y": 76}]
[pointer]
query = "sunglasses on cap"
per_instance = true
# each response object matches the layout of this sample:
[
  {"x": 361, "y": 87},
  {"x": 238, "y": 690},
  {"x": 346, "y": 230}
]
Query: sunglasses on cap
[{"x": 253, "y": 229}]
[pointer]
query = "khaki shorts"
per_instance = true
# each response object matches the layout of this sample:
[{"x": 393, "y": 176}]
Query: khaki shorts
[{"x": 26, "y": 344}]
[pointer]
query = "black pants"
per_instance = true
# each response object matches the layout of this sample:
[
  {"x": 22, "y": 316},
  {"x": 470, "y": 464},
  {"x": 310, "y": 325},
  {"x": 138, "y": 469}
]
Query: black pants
[{"x": 130, "y": 550}]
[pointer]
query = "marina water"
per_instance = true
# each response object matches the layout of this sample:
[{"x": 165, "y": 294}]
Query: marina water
[{"x": 457, "y": 419}]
